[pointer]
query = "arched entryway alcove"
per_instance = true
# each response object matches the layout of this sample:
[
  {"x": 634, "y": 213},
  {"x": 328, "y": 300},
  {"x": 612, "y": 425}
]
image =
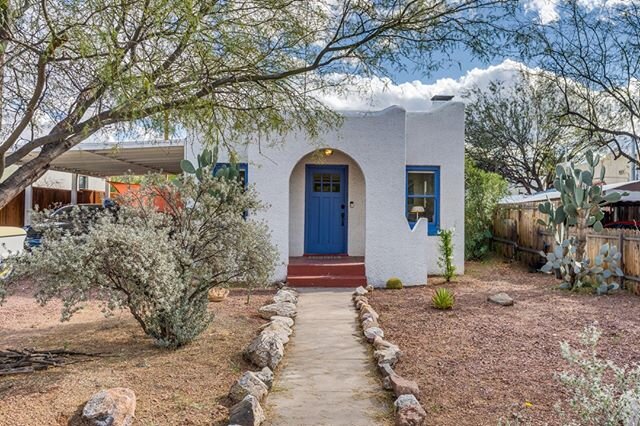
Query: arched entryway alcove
[{"x": 327, "y": 205}]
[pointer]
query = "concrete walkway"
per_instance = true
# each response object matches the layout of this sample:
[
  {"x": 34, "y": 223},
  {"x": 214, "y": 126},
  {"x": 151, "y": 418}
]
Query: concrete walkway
[{"x": 328, "y": 376}]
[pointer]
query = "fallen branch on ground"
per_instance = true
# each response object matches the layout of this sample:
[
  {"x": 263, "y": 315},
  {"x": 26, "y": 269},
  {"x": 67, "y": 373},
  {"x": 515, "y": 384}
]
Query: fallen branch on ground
[{"x": 14, "y": 361}]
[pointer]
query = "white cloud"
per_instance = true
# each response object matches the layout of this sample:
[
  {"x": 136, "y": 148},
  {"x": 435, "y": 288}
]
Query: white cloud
[
  {"x": 379, "y": 93},
  {"x": 547, "y": 10}
]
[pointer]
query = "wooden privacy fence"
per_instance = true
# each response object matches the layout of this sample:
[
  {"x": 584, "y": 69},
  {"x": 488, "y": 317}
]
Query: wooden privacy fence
[
  {"x": 517, "y": 235},
  {"x": 45, "y": 198}
]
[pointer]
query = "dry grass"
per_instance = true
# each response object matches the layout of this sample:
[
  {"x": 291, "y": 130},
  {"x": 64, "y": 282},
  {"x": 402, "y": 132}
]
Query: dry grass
[
  {"x": 480, "y": 363},
  {"x": 187, "y": 386}
]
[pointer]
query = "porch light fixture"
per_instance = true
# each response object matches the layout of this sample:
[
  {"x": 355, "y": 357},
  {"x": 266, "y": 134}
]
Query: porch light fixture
[{"x": 327, "y": 152}]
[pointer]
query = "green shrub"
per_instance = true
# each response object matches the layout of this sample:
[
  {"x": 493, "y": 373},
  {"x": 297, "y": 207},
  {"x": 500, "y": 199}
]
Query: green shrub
[
  {"x": 443, "y": 298},
  {"x": 158, "y": 265},
  {"x": 445, "y": 261},
  {"x": 483, "y": 191},
  {"x": 394, "y": 283}
]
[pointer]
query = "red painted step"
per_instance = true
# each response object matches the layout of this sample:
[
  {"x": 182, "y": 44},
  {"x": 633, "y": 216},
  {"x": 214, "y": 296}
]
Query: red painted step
[
  {"x": 326, "y": 271},
  {"x": 315, "y": 269},
  {"x": 327, "y": 281}
]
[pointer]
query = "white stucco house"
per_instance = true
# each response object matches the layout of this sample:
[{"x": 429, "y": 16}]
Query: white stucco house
[{"x": 363, "y": 202}]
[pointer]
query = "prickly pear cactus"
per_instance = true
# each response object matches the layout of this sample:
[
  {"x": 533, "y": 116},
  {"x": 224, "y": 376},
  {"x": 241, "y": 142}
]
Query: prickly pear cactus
[
  {"x": 576, "y": 274},
  {"x": 206, "y": 162},
  {"x": 581, "y": 204}
]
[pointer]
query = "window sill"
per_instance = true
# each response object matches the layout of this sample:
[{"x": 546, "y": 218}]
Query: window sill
[{"x": 432, "y": 231}]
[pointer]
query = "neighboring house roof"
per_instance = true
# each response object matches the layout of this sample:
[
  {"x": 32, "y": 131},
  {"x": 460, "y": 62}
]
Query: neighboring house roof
[{"x": 632, "y": 187}]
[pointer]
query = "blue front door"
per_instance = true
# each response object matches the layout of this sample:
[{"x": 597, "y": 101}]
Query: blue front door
[{"x": 326, "y": 210}]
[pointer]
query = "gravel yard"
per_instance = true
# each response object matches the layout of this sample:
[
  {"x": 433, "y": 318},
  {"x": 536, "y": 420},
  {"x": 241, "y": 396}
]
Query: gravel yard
[
  {"x": 187, "y": 386},
  {"x": 480, "y": 363}
]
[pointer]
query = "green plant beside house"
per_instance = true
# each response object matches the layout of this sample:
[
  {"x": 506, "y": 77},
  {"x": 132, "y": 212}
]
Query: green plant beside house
[
  {"x": 445, "y": 259},
  {"x": 394, "y": 284},
  {"x": 580, "y": 208},
  {"x": 483, "y": 191}
]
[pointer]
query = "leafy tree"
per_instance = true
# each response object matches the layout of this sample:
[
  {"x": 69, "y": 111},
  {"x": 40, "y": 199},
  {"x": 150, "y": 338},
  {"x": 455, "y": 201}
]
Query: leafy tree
[
  {"x": 483, "y": 191},
  {"x": 158, "y": 264},
  {"x": 73, "y": 69},
  {"x": 592, "y": 55},
  {"x": 513, "y": 129}
]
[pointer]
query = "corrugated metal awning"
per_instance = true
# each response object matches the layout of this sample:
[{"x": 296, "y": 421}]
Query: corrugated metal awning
[{"x": 117, "y": 159}]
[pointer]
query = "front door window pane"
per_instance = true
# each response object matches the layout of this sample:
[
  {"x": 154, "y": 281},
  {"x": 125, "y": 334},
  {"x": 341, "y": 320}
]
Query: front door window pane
[{"x": 325, "y": 182}]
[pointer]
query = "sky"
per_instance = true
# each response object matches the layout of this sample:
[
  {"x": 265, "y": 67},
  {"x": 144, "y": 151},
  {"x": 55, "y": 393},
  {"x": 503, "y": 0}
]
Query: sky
[{"x": 413, "y": 90}]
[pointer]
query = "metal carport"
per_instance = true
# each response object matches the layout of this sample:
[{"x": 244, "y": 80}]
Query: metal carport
[{"x": 113, "y": 159}]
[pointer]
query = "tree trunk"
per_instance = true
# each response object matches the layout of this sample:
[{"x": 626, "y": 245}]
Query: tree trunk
[
  {"x": 21, "y": 178},
  {"x": 581, "y": 236},
  {"x": 32, "y": 170}
]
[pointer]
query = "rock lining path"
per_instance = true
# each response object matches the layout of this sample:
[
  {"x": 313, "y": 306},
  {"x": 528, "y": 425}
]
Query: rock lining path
[{"x": 328, "y": 376}]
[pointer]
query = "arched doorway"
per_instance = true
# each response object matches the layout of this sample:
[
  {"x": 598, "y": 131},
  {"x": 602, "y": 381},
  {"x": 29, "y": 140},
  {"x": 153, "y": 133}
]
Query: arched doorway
[{"x": 327, "y": 205}]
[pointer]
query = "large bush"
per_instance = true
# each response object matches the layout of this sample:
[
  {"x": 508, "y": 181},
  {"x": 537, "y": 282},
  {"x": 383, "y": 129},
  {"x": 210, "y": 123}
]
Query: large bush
[
  {"x": 483, "y": 190},
  {"x": 158, "y": 255}
]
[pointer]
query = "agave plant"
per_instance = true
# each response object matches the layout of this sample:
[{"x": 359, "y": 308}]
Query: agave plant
[
  {"x": 581, "y": 204},
  {"x": 443, "y": 298}
]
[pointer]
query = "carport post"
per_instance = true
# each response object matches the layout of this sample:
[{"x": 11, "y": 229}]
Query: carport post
[
  {"x": 28, "y": 204},
  {"x": 107, "y": 188},
  {"x": 74, "y": 188}
]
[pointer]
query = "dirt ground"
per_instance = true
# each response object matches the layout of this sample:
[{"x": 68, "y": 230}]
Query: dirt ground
[
  {"x": 484, "y": 364},
  {"x": 187, "y": 386}
]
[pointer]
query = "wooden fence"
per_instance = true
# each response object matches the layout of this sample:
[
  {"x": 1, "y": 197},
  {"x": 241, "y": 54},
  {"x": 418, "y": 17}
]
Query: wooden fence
[
  {"x": 44, "y": 198},
  {"x": 517, "y": 235}
]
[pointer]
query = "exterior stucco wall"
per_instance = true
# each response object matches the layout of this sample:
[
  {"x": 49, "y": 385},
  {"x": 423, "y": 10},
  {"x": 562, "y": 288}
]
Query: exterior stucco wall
[
  {"x": 436, "y": 138},
  {"x": 356, "y": 195},
  {"x": 382, "y": 144}
]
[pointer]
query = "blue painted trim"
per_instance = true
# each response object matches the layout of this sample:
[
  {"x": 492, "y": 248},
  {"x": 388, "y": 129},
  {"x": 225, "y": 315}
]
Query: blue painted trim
[
  {"x": 433, "y": 227},
  {"x": 308, "y": 190}
]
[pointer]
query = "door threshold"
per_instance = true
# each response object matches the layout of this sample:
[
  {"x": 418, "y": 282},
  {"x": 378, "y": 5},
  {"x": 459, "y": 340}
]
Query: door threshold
[{"x": 328, "y": 256}]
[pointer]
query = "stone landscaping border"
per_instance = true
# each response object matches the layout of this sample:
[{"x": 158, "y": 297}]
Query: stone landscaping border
[
  {"x": 408, "y": 411},
  {"x": 265, "y": 351}
]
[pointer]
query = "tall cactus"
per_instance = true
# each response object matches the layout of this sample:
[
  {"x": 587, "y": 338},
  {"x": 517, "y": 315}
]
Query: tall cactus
[{"x": 581, "y": 204}]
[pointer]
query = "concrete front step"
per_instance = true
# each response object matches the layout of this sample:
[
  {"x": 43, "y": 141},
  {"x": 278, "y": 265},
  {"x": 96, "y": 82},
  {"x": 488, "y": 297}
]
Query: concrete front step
[{"x": 326, "y": 280}]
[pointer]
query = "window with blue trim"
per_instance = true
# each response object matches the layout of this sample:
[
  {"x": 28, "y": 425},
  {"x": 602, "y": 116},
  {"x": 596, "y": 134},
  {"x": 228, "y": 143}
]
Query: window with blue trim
[
  {"x": 242, "y": 167},
  {"x": 423, "y": 196}
]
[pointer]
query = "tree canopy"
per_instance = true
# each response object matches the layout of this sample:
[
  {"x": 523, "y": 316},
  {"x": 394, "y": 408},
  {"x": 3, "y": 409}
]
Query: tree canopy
[
  {"x": 74, "y": 68},
  {"x": 592, "y": 55},
  {"x": 514, "y": 129}
]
